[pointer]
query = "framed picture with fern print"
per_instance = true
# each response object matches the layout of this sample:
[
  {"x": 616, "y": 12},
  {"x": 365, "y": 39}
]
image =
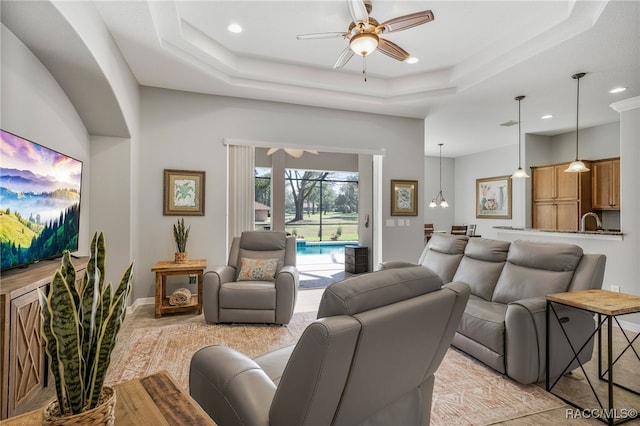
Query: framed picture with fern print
[
  {"x": 493, "y": 198},
  {"x": 183, "y": 192},
  {"x": 404, "y": 197}
]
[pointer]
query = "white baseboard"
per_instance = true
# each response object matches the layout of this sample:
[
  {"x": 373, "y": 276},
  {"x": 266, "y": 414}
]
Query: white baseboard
[{"x": 139, "y": 302}]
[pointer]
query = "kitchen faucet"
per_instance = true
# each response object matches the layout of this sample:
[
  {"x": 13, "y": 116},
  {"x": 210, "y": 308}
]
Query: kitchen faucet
[{"x": 584, "y": 217}]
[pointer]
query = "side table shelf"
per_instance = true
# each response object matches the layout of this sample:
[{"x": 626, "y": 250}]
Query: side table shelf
[
  {"x": 165, "y": 268},
  {"x": 356, "y": 259}
]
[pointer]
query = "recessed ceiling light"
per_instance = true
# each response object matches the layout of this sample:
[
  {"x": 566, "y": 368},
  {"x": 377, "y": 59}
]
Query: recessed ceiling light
[
  {"x": 235, "y": 28},
  {"x": 412, "y": 60},
  {"x": 547, "y": 116},
  {"x": 618, "y": 90}
]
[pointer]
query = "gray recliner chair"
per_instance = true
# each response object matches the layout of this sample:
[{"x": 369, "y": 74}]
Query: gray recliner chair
[
  {"x": 369, "y": 358},
  {"x": 259, "y": 284}
]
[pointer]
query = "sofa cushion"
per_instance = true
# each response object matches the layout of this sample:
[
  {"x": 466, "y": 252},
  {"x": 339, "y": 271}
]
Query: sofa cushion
[
  {"x": 443, "y": 254},
  {"x": 483, "y": 322},
  {"x": 369, "y": 291},
  {"x": 536, "y": 269},
  {"x": 481, "y": 265}
]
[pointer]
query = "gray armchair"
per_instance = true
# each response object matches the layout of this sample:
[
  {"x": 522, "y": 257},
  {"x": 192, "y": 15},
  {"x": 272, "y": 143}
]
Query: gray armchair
[
  {"x": 369, "y": 359},
  {"x": 259, "y": 284}
]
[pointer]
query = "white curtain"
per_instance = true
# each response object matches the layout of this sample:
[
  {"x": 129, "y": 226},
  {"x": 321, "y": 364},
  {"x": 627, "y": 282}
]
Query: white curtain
[{"x": 241, "y": 214}]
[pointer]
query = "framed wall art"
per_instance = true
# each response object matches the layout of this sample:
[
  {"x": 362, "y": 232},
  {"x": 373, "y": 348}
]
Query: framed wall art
[
  {"x": 493, "y": 198},
  {"x": 404, "y": 197},
  {"x": 183, "y": 192}
]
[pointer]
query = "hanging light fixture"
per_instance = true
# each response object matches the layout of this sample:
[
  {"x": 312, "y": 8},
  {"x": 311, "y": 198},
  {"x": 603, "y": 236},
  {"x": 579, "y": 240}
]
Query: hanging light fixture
[
  {"x": 519, "y": 173},
  {"x": 577, "y": 166},
  {"x": 439, "y": 201}
]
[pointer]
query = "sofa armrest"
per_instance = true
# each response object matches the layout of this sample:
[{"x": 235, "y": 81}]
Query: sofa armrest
[
  {"x": 393, "y": 264},
  {"x": 211, "y": 287},
  {"x": 287, "y": 281},
  {"x": 526, "y": 339},
  {"x": 230, "y": 387}
]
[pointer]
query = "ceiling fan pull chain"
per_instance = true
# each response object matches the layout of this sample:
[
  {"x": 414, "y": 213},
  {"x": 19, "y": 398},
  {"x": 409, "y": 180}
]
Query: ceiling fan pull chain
[{"x": 364, "y": 67}]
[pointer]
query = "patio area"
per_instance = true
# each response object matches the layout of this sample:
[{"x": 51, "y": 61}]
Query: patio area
[{"x": 320, "y": 270}]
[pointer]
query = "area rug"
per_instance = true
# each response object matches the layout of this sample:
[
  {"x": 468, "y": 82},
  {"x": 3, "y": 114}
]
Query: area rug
[{"x": 466, "y": 392}]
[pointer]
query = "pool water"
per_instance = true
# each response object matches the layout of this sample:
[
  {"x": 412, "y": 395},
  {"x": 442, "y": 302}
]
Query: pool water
[{"x": 322, "y": 248}]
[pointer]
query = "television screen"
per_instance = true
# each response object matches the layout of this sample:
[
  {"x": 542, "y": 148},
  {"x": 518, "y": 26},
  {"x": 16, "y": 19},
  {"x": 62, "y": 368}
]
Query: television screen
[{"x": 39, "y": 202}]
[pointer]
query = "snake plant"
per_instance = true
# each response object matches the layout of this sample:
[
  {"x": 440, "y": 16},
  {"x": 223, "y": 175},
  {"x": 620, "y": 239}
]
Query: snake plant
[
  {"x": 80, "y": 328},
  {"x": 181, "y": 234}
]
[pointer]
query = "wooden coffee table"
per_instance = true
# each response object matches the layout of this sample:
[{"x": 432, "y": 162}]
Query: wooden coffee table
[{"x": 152, "y": 400}]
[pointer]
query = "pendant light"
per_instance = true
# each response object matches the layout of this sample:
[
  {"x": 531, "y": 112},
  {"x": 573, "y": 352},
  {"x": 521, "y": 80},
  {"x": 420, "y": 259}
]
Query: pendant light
[
  {"x": 577, "y": 166},
  {"x": 519, "y": 173},
  {"x": 439, "y": 201}
]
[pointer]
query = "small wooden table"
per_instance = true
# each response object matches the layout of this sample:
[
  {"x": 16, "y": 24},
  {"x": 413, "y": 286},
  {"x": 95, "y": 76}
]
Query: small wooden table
[
  {"x": 152, "y": 400},
  {"x": 166, "y": 267},
  {"x": 603, "y": 303}
]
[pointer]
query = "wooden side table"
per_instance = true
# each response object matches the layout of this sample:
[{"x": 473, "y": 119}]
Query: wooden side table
[
  {"x": 151, "y": 400},
  {"x": 607, "y": 304},
  {"x": 165, "y": 268}
]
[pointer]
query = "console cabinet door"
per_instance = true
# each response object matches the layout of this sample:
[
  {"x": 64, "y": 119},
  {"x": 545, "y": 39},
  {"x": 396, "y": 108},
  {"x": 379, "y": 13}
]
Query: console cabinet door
[{"x": 27, "y": 356}]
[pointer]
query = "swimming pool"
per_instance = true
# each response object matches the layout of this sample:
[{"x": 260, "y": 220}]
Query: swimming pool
[{"x": 329, "y": 247}]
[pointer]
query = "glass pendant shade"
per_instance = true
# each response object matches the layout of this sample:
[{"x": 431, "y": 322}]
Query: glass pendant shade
[
  {"x": 364, "y": 44},
  {"x": 439, "y": 201},
  {"x": 519, "y": 173},
  {"x": 577, "y": 166}
]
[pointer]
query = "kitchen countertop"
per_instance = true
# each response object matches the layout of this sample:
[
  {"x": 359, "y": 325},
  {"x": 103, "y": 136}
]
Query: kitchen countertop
[{"x": 605, "y": 233}]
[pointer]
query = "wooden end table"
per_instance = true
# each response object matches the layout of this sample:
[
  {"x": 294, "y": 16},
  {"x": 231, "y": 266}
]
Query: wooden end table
[
  {"x": 607, "y": 305},
  {"x": 152, "y": 400},
  {"x": 165, "y": 268}
]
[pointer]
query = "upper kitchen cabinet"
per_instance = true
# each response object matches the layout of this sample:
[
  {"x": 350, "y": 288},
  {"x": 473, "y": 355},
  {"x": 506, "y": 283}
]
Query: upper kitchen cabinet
[
  {"x": 606, "y": 184},
  {"x": 559, "y": 198}
]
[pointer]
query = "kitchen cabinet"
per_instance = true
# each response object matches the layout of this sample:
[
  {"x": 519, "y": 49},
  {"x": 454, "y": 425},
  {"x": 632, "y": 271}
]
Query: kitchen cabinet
[
  {"x": 605, "y": 184},
  {"x": 559, "y": 199}
]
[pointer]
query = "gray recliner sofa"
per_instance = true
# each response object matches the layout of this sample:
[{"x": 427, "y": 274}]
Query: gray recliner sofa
[
  {"x": 504, "y": 323},
  {"x": 369, "y": 358}
]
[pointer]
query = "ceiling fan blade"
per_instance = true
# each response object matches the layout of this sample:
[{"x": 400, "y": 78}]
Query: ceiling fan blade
[
  {"x": 358, "y": 10},
  {"x": 320, "y": 35},
  {"x": 393, "y": 50},
  {"x": 407, "y": 21},
  {"x": 344, "y": 57}
]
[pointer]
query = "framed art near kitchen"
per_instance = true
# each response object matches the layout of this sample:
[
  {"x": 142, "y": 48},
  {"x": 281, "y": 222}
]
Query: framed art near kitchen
[
  {"x": 183, "y": 192},
  {"x": 404, "y": 197},
  {"x": 493, "y": 198}
]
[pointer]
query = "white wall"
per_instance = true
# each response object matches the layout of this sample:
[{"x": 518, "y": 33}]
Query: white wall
[
  {"x": 36, "y": 108},
  {"x": 594, "y": 143},
  {"x": 185, "y": 131}
]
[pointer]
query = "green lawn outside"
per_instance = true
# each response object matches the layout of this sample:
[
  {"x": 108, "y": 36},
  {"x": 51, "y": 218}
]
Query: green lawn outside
[{"x": 310, "y": 226}]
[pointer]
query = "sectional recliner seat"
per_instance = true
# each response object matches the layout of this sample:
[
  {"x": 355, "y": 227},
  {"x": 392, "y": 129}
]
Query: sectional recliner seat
[{"x": 504, "y": 322}]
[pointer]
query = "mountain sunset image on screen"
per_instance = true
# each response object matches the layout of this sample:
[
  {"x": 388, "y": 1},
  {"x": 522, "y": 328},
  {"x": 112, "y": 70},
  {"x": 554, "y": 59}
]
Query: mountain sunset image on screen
[{"x": 39, "y": 201}]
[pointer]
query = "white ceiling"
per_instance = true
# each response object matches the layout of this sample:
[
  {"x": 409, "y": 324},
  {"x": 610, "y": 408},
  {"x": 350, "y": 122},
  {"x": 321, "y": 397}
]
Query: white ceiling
[{"x": 474, "y": 58}]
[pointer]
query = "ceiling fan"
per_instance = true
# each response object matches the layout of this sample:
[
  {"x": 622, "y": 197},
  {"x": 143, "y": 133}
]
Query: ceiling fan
[
  {"x": 364, "y": 33},
  {"x": 295, "y": 153}
]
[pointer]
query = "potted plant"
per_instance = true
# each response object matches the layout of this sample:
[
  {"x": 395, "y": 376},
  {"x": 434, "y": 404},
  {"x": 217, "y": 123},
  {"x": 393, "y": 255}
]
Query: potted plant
[
  {"x": 180, "y": 235},
  {"x": 80, "y": 327}
]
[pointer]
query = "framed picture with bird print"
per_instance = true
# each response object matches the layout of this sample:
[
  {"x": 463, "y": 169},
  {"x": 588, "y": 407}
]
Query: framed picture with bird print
[{"x": 183, "y": 192}]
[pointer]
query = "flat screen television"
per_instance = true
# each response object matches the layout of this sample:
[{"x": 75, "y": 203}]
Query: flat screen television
[{"x": 39, "y": 202}]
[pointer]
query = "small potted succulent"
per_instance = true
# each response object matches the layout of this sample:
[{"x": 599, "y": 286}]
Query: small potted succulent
[
  {"x": 181, "y": 235},
  {"x": 80, "y": 328}
]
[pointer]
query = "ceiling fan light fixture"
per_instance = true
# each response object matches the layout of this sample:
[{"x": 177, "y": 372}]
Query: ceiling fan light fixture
[
  {"x": 413, "y": 60},
  {"x": 364, "y": 44}
]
